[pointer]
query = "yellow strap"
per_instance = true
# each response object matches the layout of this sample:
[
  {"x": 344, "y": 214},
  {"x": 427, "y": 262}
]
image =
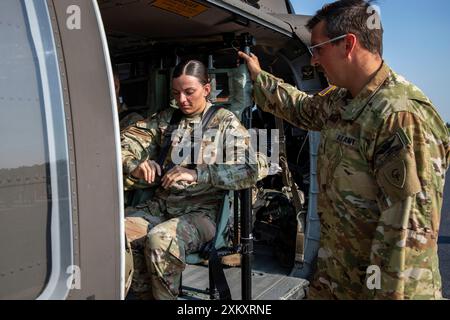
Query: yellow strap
[{"x": 326, "y": 91}]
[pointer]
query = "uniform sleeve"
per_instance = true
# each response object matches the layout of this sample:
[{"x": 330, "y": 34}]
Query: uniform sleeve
[
  {"x": 409, "y": 166},
  {"x": 287, "y": 102},
  {"x": 241, "y": 168},
  {"x": 129, "y": 120},
  {"x": 139, "y": 142}
]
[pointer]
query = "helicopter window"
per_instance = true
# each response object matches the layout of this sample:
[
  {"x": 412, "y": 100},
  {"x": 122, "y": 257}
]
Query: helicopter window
[
  {"x": 222, "y": 88},
  {"x": 34, "y": 181}
]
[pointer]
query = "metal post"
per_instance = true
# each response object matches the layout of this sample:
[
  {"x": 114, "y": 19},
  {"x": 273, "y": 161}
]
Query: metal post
[
  {"x": 246, "y": 204},
  {"x": 237, "y": 228},
  {"x": 210, "y": 62},
  {"x": 246, "y": 229}
]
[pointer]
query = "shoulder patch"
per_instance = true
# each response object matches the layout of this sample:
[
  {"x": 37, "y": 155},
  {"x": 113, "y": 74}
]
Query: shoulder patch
[
  {"x": 327, "y": 91},
  {"x": 395, "y": 174},
  {"x": 142, "y": 123}
]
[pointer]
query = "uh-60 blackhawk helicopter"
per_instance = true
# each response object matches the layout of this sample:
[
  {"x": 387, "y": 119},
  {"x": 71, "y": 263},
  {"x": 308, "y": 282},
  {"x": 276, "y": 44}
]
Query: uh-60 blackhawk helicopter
[{"x": 61, "y": 185}]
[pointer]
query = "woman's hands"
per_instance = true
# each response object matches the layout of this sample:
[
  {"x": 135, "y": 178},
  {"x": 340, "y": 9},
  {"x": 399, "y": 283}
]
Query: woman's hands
[
  {"x": 148, "y": 170},
  {"x": 176, "y": 174}
]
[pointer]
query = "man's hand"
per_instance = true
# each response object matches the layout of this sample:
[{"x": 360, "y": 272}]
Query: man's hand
[
  {"x": 147, "y": 170},
  {"x": 252, "y": 63},
  {"x": 178, "y": 174}
]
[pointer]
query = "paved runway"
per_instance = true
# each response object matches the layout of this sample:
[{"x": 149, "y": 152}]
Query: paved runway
[{"x": 444, "y": 240}]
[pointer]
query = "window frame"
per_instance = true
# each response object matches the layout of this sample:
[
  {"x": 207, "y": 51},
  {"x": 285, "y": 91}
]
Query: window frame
[{"x": 39, "y": 26}]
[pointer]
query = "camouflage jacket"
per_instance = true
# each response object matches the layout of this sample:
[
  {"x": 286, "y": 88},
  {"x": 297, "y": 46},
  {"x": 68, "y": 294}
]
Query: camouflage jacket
[
  {"x": 216, "y": 168},
  {"x": 125, "y": 119},
  {"x": 381, "y": 169}
]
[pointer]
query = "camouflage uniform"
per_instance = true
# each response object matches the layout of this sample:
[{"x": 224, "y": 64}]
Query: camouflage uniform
[
  {"x": 129, "y": 119},
  {"x": 381, "y": 170},
  {"x": 187, "y": 210}
]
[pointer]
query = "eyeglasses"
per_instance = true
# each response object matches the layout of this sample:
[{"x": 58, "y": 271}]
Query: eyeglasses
[{"x": 313, "y": 49}]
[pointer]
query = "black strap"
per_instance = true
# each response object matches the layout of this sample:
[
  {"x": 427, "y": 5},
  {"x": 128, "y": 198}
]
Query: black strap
[
  {"x": 208, "y": 116},
  {"x": 174, "y": 121},
  {"x": 176, "y": 118},
  {"x": 220, "y": 281},
  {"x": 216, "y": 274}
]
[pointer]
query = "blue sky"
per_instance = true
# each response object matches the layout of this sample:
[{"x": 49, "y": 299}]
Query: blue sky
[{"x": 416, "y": 43}]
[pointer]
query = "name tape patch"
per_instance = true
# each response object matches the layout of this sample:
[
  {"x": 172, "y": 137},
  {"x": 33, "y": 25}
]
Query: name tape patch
[{"x": 349, "y": 141}]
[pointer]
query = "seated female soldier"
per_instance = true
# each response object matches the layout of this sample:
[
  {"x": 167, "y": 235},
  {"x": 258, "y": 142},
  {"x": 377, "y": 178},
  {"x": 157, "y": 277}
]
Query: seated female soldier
[{"x": 181, "y": 216}]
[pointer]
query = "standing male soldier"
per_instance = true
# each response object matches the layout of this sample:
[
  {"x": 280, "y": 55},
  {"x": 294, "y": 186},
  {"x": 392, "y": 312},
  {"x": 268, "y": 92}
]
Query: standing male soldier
[{"x": 382, "y": 162}]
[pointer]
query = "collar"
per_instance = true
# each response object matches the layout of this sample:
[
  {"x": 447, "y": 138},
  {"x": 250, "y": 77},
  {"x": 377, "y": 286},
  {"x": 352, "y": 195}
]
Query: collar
[
  {"x": 357, "y": 105},
  {"x": 197, "y": 118}
]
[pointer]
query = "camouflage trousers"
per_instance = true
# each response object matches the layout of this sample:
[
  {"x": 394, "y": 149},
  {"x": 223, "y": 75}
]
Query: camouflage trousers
[
  {"x": 160, "y": 256},
  {"x": 336, "y": 281}
]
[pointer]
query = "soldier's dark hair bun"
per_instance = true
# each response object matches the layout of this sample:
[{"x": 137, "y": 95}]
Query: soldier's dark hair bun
[{"x": 193, "y": 68}]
